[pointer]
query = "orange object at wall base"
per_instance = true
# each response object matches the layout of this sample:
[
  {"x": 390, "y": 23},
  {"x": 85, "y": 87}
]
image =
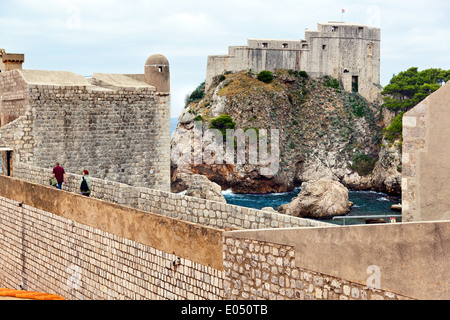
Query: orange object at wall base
[{"x": 30, "y": 295}]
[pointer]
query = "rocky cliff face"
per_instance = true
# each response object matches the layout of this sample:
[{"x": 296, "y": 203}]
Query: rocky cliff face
[{"x": 324, "y": 132}]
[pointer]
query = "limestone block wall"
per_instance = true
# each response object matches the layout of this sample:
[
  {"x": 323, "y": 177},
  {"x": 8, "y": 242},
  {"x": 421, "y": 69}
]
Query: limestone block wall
[
  {"x": 425, "y": 167},
  {"x": 201, "y": 211},
  {"x": 13, "y": 97},
  {"x": 414, "y": 129},
  {"x": 121, "y": 135},
  {"x": 256, "y": 270},
  {"x": 81, "y": 256},
  {"x": 106, "y": 190},
  {"x": 255, "y": 59},
  {"x": 17, "y": 135},
  {"x": 393, "y": 261},
  {"x": 116, "y": 135}
]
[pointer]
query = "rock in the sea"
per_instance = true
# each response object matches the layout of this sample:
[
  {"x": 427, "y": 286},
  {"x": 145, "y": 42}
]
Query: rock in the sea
[
  {"x": 202, "y": 187},
  {"x": 319, "y": 199}
]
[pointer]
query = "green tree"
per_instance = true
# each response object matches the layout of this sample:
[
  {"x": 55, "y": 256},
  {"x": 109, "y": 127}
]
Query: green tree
[{"x": 410, "y": 87}]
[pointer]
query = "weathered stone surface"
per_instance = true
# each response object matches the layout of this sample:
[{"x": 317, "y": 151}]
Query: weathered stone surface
[
  {"x": 120, "y": 133},
  {"x": 201, "y": 187},
  {"x": 425, "y": 166},
  {"x": 319, "y": 199}
]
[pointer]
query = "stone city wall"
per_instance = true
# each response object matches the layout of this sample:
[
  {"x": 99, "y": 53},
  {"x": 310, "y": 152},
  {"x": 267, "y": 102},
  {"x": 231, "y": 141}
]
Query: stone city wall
[
  {"x": 78, "y": 248},
  {"x": 390, "y": 261},
  {"x": 13, "y": 97},
  {"x": 201, "y": 211},
  {"x": 255, "y": 270},
  {"x": 120, "y": 135},
  {"x": 84, "y": 248}
]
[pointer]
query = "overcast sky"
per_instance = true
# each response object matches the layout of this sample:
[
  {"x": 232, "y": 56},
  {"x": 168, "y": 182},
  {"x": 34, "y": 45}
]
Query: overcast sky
[{"x": 116, "y": 36}]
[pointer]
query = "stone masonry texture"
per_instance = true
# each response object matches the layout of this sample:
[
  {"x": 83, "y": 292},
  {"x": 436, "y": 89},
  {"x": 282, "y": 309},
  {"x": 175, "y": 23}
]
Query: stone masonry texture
[
  {"x": 42, "y": 251},
  {"x": 120, "y": 135},
  {"x": 256, "y": 270}
]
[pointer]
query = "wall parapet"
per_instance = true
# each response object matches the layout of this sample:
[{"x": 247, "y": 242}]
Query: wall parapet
[
  {"x": 188, "y": 240},
  {"x": 399, "y": 260},
  {"x": 94, "y": 249},
  {"x": 201, "y": 211},
  {"x": 42, "y": 251}
]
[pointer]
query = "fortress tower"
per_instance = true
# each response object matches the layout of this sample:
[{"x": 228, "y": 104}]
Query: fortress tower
[
  {"x": 157, "y": 72},
  {"x": 10, "y": 61},
  {"x": 346, "y": 51}
]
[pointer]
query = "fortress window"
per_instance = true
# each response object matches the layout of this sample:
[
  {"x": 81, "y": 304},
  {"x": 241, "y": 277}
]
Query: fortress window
[
  {"x": 304, "y": 46},
  {"x": 334, "y": 29},
  {"x": 160, "y": 69},
  {"x": 370, "y": 49},
  {"x": 284, "y": 45},
  {"x": 324, "y": 47},
  {"x": 346, "y": 71},
  {"x": 265, "y": 45},
  {"x": 355, "y": 85},
  {"x": 360, "y": 31}
]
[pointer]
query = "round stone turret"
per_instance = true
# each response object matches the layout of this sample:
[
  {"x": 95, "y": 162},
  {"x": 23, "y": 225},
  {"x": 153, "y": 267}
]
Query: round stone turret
[{"x": 157, "y": 72}]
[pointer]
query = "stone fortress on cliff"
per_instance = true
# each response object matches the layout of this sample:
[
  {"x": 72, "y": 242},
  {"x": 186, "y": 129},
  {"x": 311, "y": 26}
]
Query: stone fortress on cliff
[{"x": 345, "y": 51}]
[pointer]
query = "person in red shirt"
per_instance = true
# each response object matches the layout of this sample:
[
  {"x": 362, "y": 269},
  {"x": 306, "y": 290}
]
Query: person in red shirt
[{"x": 59, "y": 174}]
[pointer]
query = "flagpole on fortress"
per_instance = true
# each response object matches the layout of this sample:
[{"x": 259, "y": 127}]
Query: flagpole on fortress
[{"x": 342, "y": 14}]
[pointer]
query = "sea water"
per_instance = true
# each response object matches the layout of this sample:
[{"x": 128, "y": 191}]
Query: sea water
[{"x": 366, "y": 203}]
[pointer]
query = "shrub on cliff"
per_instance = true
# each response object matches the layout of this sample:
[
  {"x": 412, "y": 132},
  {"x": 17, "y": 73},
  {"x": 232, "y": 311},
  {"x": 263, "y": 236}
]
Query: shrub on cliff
[
  {"x": 363, "y": 164},
  {"x": 331, "y": 82},
  {"x": 197, "y": 94},
  {"x": 265, "y": 76},
  {"x": 222, "y": 123}
]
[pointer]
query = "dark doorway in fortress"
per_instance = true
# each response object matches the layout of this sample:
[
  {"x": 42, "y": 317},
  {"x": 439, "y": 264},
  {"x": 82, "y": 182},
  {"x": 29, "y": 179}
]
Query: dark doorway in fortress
[
  {"x": 355, "y": 87},
  {"x": 5, "y": 162}
]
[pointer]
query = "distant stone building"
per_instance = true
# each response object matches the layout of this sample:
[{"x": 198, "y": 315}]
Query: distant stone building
[
  {"x": 10, "y": 61},
  {"x": 345, "y": 51},
  {"x": 116, "y": 126}
]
